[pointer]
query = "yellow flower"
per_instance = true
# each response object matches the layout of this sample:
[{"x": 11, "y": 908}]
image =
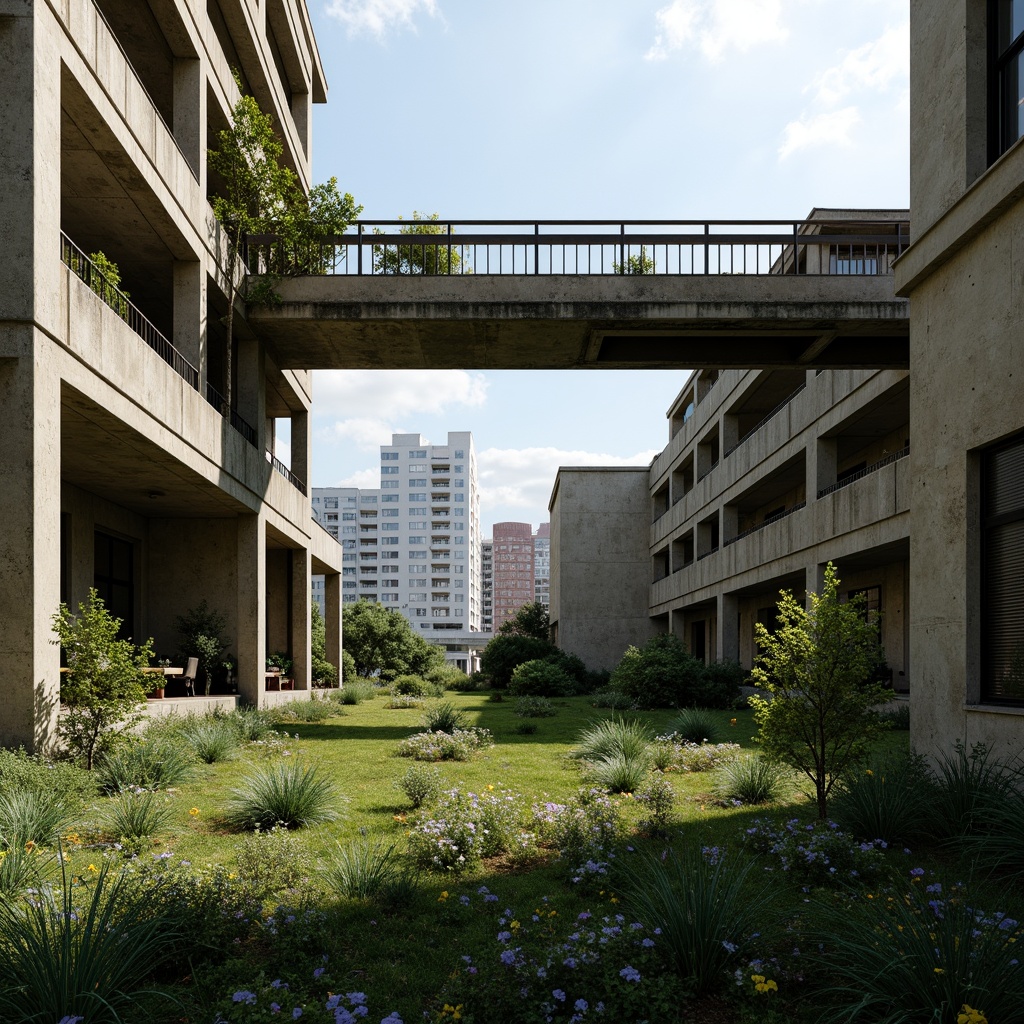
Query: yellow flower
[
  {"x": 92, "y": 867},
  {"x": 968, "y": 1015},
  {"x": 490, "y": 787},
  {"x": 868, "y": 771},
  {"x": 940, "y": 970},
  {"x": 763, "y": 985},
  {"x": 443, "y": 896},
  {"x": 194, "y": 811},
  {"x": 757, "y": 979},
  {"x": 514, "y": 926},
  {"x": 30, "y": 846},
  {"x": 732, "y": 721}
]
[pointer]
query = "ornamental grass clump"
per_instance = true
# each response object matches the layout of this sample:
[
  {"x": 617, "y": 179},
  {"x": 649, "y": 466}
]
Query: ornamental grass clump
[
  {"x": 133, "y": 817},
  {"x": 619, "y": 773},
  {"x": 444, "y": 717},
  {"x": 27, "y": 816},
  {"x": 212, "y": 740},
  {"x": 291, "y": 794},
  {"x": 534, "y": 707},
  {"x": 702, "y": 904},
  {"x": 752, "y": 780},
  {"x": 696, "y": 725},
  {"x": 83, "y": 949},
  {"x": 673, "y": 753},
  {"x": 252, "y": 723},
  {"x": 918, "y": 952},
  {"x": 361, "y": 871},
  {"x": 628, "y": 737},
  {"x": 160, "y": 762},
  {"x": 313, "y": 710},
  {"x": 354, "y": 692},
  {"x": 442, "y": 746}
]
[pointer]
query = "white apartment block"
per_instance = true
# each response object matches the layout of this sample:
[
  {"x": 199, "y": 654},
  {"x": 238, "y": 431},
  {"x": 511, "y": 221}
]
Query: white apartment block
[
  {"x": 542, "y": 565},
  {"x": 414, "y": 543},
  {"x": 487, "y": 585}
]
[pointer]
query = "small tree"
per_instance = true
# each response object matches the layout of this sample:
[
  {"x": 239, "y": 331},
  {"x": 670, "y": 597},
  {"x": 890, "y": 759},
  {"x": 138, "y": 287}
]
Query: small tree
[
  {"x": 530, "y": 620},
  {"x": 103, "y": 689},
  {"x": 636, "y": 264},
  {"x": 819, "y": 711},
  {"x": 506, "y": 652},
  {"x": 324, "y": 672},
  {"x": 202, "y": 636},
  {"x": 380, "y": 640},
  {"x": 419, "y": 257}
]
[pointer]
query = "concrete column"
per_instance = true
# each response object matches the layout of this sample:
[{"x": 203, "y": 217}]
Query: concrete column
[
  {"x": 190, "y": 115},
  {"x": 332, "y": 618},
  {"x": 301, "y": 616},
  {"x": 250, "y": 396},
  {"x": 821, "y": 465},
  {"x": 30, "y": 540},
  {"x": 300, "y": 442},
  {"x": 815, "y": 576},
  {"x": 190, "y": 312},
  {"x": 301, "y": 105},
  {"x": 727, "y": 641},
  {"x": 252, "y": 582}
]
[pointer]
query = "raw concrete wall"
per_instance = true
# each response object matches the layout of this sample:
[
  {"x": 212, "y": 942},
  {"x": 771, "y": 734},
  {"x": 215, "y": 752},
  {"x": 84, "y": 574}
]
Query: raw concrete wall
[{"x": 600, "y": 562}]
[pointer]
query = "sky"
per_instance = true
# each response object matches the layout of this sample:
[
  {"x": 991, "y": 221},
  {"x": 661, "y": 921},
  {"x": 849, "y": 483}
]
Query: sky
[{"x": 574, "y": 109}]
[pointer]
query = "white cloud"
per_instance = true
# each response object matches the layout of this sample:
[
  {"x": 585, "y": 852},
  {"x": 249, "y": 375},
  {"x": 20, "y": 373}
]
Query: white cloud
[
  {"x": 716, "y": 26},
  {"x": 378, "y": 16},
  {"x": 367, "y": 394},
  {"x": 523, "y": 477},
  {"x": 365, "y": 433},
  {"x": 876, "y": 66},
  {"x": 830, "y": 128},
  {"x": 368, "y": 479}
]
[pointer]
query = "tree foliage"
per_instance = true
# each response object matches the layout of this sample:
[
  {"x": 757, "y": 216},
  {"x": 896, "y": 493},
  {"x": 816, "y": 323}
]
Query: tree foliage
[
  {"x": 381, "y": 641},
  {"x": 530, "y": 620},
  {"x": 324, "y": 672},
  {"x": 638, "y": 263},
  {"x": 202, "y": 630},
  {"x": 419, "y": 257},
  {"x": 818, "y": 711},
  {"x": 507, "y": 651},
  {"x": 104, "y": 687}
]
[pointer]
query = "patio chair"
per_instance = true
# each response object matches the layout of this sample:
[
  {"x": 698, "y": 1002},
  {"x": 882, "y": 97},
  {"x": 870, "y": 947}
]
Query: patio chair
[{"x": 189, "y": 677}]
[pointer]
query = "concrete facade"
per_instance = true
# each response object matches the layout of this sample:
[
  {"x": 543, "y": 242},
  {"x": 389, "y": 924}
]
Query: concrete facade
[
  {"x": 967, "y": 348},
  {"x": 118, "y": 469},
  {"x": 600, "y": 562}
]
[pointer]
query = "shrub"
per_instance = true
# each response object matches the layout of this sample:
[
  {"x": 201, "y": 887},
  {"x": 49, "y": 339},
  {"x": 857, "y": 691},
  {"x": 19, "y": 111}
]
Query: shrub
[
  {"x": 444, "y": 717},
  {"x": 526, "y": 728},
  {"x": 658, "y": 799},
  {"x": 442, "y": 746},
  {"x": 270, "y": 860},
  {"x": 289, "y": 794},
  {"x": 348, "y": 668},
  {"x": 212, "y": 740},
  {"x": 696, "y": 725},
  {"x": 421, "y": 785},
  {"x": 354, "y": 691},
  {"x": 251, "y": 723},
  {"x": 450, "y": 840},
  {"x": 28, "y": 816},
  {"x": 751, "y": 780},
  {"x": 505, "y": 652},
  {"x": 586, "y": 828},
  {"x": 134, "y": 817},
  {"x": 534, "y": 707},
  {"x": 673, "y": 753},
  {"x": 361, "y": 871},
  {"x": 403, "y": 701},
  {"x": 19, "y": 770},
  {"x": 409, "y": 686},
  {"x": 449, "y": 677},
  {"x": 305, "y": 710},
  {"x": 540, "y": 678},
  {"x": 613, "y": 736},
  {"x": 890, "y": 800},
  {"x": 610, "y": 698},
  {"x": 921, "y": 955},
  {"x": 82, "y": 950},
  {"x": 702, "y": 905},
  {"x": 619, "y": 773},
  {"x": 158, "y": 763},
  {"x": 897, "y": 717}
]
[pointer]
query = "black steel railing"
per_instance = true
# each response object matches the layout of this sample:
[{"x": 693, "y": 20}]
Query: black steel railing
[
  {"x": 219, "y": 402},
  {"x": 866, "y": 471},
  {"x": 82, "y": 267},
  {"x": 769, "y": 416},
  {"x": 281, "y": 468},
  {"x": 767, "y": 522},
  {"x": 600, "y": 247}
]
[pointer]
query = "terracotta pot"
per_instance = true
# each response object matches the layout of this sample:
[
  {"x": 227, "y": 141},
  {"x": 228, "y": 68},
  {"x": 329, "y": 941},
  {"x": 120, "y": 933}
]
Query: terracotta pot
[{"x": 157, "y": 694}]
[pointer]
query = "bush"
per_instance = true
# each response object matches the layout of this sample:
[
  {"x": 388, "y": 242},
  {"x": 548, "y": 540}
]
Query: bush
[
  {"x": 158, "y": 763},
  {"x": 289, "y": 794},
  {"x": 534, "y": 707},
  {"x": 403, "y": 701},
  {"x": 28, "y": 816},
  {"x": 673, "y": 753},
  {"x": 586, "y": 828},
  {"x": 348, "y": 668},
  {"x": 702, "y": 905},
  {"x": 252, "y": 723},
  {"x": 897, "y": 717},
  {"x": 355, "y": 691},
  {"x": 614, "y": 699},
  {"x": 361, "y": 871},
  {"x": 890, "y": 800},
  {"x": 696, "y": 725},
  {"x": 442, "y": 746},
  {"x": 19, "y": 770},
  {"x": 506, "y": 652},
  {"x": 540, "y": 678},
  {"x": 410, "y": 686},
  {"x": 751, "y": 780},
  {"x": 420, "y": 785},
  {"x": 614, "y": 736},
  {"x": 658, "y": 798},
  {"x": 305, "y": 711},
  {"x": 212, "y": 740},
  {"x": 270, "y": 860},
  {"x": 444, "y": 717},
  {"x": 449, "y": 678},
  {"x": 134, "y": 817}
]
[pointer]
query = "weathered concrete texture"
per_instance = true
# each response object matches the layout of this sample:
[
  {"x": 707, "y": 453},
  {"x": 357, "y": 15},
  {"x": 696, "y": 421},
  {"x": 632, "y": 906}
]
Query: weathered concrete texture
[
  {"x": 557, "y": 322},
  {"x": 600, "y": 563}
]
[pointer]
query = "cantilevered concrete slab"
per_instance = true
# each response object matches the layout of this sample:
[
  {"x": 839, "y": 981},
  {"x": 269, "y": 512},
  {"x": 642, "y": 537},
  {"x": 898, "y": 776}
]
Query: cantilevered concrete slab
[{"x": 563, "y": 322}]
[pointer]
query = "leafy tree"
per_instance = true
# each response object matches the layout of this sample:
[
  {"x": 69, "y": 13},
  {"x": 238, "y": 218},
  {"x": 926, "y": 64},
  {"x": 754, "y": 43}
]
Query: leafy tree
[
  {"x": 323, "y": 672},
  {"x": 540, "y": 678},
  {"x": 104, "y": 687},
  {"x": 380, "y": 640},
  {"x": 348, "y": 668},
  {"x": 819, "y": 708},
  {"x": 419, "y": 257},
  {"x": 507, "y": 651},
  {"x": 636, "y": 264},
  {"x": 202, "y": 636},
  {"x": 530, "y": 620},
  {"x": 260, "y": 196}
]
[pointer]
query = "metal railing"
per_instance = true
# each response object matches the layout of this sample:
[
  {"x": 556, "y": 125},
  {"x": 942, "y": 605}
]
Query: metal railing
[
  {"x": 281, "y": 468},
  {"x": 760, "y": 423},
  {"x": 866, "y": 471},
  {"x": 219, "y": 402},
  {"x": 82, "y": 267},
  {"x": 586, "y": 248},
  {"x": 707, "y": 553},
  {"x": 768, "y": 522}
]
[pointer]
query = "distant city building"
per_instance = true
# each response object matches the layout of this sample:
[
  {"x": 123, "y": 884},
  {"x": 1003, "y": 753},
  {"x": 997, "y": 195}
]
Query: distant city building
[
  {"x": 413, "y": 544},
  {"x": 487, "y": 586},
  {"x": 542, "y": 565},
  {"x": 513, "y": 584}
]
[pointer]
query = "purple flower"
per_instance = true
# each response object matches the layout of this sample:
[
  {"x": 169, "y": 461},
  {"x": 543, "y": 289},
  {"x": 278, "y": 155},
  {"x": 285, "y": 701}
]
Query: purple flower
[
  {"x": 275, "y": 1007},
  {"x": 504, "y": 936},
  {"x": 629, "y": 973},
  {"x": 249, "y": 998},
  {"x": 582, "y": 1005},
  {"x": 508, "y": 956},
  {"x": 356, "y": 998},
  {"x": 297, "y": 1013},
  {"x": 559, "y": 995},
  {"x": 917, "y": 872},
  {"x": 318, "y": 972},
  {"x": 392, "y": 1018},
  {"x": 70, "y": 1020}
]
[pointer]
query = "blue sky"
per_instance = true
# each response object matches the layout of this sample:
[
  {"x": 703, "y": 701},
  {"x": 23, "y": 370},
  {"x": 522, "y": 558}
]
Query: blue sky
[{"x": 604, "y": 109}]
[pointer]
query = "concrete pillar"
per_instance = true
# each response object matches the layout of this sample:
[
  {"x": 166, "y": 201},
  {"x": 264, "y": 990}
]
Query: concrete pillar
[
  {"x": 190, "y": 115},
  {"x": 815, "y": 578},
  {"x": 727, "y": 645},
  {"x": 302, "y": 103},
  {"x": 252, "y": 576},
  {"x": 301, "y": 617},
  {"x": 30, "y": 540},
  {"x": 190, "y": 311},
  {"x": 332, "y": 618},
  {"x": 821, "y": 465},
  {"x": 250, "y": 398},
  {"x": 300, "y": 445}
]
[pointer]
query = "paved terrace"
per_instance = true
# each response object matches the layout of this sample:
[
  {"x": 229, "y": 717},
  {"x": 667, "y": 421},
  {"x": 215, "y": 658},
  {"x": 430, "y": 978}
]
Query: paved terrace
[{"x": 540, "y": 295}]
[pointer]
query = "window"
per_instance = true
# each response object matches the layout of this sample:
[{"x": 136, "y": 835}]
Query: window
[
  {"x": 391, "y": 513},
  {"x": 417, "y": 497},
  {"x": 347, "y": 517},
  {"x": 417, "y": 525},
  {"x": 459, "y": 469},
  {"x": 459, "y": 497},
  {"x": 389, "y": 583},
  {"x": 389, "y": 485},
  {"x": 417, "y": 584},
  {"x": 388, "y": 456},
  {"x": 389, "y": 541},
  {"x": 348, "y": 572},
  {"x": 388, "y": 470},
  {"x": 418, "y": 453},
  {"x": 1002, "y": 568},
  {"x": 460, "y": 453},
  {"x": 1006, "y": 75},
  {"x": 420, "y": 569},
  {"x": 417, "y": 468},
  {"x": 368, "y": 500},
  {"x": 332, "y": 517},
  {"x": 417, "y": 511},
  {"x": 872, "y": 606},
  {"x": 389, "y": 526},
  {"x": 415, "y": 540},
  {"x": 417, "y": 554},
  {"x": 330, "y": 502},
  {"x": 348, "y": 529},
  {"x": 418, "y": 481},
  {"x": 460, "y": 483},
  {"x": 388, "y": 497}
]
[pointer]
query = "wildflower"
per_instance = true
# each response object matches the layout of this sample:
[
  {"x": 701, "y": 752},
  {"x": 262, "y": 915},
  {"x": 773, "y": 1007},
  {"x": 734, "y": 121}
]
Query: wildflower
[
  {"x": 70, "y": 1020},
  {"x": 582, "y": 1006},
  {"x": 940, "y": 970},
  {"x": 629, "y": 973},
  {"x": 559, "y": 995},
  {"x": 732, "y": 721},
  {"x": 392, "y": 1018},
  {"x": 194, "y": 811},
  {"x": 92, "y": 867},
  {"x": 763, "y": 985},
  {"x": 297, "y": 1013},
  {"x": 249, "y": 998},
  {"x": 443, "y": 896},
  {"x": 868, "y": 771},
  {"x": 30, "y": 846}
]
